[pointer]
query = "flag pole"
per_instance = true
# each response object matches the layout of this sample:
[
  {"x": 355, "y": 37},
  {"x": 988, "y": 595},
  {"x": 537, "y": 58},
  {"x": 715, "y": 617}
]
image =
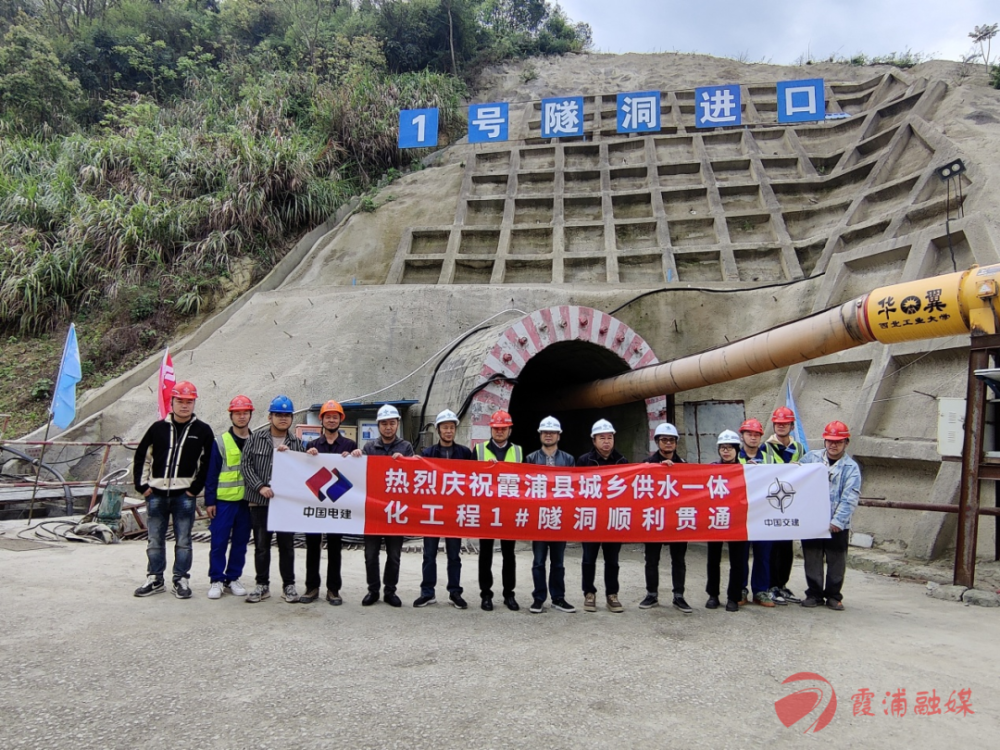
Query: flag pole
[
  {"x": 38, "y": 471},
  {"x": 70, "y": 335}
]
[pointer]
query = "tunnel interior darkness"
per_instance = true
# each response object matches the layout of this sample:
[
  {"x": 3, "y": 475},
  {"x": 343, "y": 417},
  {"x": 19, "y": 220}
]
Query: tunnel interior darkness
[{"x": 569, "y": 363}]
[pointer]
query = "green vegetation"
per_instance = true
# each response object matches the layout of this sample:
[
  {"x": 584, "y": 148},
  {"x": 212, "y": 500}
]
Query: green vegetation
[{"x": 153, "y": 152}]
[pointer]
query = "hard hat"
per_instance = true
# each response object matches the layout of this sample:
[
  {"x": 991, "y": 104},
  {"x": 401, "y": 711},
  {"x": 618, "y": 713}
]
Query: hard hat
[
  {"x": 184, "y": 390},
  {"x": 501, "y": 419},
  {"x": 387, "y": 411},
  {"x": 666, "y": 429},
  {"x": 783, "y": 415},
  {"x": 446, "y": 416},
  {"x": 281, "y": 405},
  {"x": 241, "y": 403},
  {"x": 728, "y": 437},
  {"x": 752, "y": 425},
  {"x": 332, "y": 407},
  {"x": 550, "y": 424},
  {"x": 601, "y": 426},
  {"x": 836, "y": 430}
]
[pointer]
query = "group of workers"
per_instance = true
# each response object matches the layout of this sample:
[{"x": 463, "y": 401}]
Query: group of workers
[{"x": 179, "y": 457}]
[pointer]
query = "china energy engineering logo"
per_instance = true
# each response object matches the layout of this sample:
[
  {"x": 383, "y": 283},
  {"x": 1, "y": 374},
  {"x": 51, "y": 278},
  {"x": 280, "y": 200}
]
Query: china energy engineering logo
[{"x": 796, "y": 706}]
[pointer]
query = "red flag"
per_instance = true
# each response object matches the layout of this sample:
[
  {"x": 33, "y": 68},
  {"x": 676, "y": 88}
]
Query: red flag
[{"x": 167, "y": 381}]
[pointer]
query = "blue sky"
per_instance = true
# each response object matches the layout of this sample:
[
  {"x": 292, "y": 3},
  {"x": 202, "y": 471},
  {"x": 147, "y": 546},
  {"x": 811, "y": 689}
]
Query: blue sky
[{"x": 780, "y": 31}]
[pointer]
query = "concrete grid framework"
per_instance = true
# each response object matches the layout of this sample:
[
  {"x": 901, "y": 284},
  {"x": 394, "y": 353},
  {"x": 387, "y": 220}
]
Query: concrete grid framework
[{"x": 856, "y": 200}]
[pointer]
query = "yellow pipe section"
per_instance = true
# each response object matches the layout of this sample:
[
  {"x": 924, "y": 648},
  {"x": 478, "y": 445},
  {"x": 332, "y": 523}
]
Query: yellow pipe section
[{"x": 940, "y": 306}]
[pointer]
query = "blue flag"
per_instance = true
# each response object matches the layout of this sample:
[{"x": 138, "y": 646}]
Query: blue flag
[
  {"x": 799, "y": 432},
  {"x": 64, "y": 397}
]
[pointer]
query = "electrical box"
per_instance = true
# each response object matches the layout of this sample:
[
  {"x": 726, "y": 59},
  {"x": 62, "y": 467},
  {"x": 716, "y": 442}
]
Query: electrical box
[{"x": 951, "y": 426}]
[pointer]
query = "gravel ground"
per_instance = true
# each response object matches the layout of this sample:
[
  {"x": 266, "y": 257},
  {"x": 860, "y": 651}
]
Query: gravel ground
[{"x": 87, "y": 665}]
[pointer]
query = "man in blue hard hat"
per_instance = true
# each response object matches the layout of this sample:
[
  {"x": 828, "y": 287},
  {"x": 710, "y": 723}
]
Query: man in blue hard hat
[{"x": 258, "y": 460}]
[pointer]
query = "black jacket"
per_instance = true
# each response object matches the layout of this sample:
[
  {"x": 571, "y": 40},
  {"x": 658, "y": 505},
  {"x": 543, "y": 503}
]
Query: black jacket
[
  {"x": 593, "y": 458},
  {"x": 173, "y": 458},
  {"x": 656, "y": 458},
  {"x": 458, "y": 452}
]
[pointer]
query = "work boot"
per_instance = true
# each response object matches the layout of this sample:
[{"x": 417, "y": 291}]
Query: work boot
[
  {"x": 614, "y": 605},
  {"x": 590, "y": 602},
  {"x": 712, "y": 603},
  {"x": 309, "y": 597}
]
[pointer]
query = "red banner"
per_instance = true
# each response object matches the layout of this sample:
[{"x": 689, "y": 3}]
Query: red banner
[{"x": 473, "y": 499}]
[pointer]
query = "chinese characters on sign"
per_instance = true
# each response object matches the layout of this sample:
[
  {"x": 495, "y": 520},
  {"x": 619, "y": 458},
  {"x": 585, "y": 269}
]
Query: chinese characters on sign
[
  {"x": 717, "y": 106},
  {"x": 562, "y": 117},
  {"x": 488, "y": 122},
  {"x": 639, "y": 112},
  {"x": 801, "y": 101}
]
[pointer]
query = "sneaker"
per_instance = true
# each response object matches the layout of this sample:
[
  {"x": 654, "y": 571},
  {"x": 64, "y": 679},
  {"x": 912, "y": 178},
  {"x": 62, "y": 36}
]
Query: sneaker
[
  {"x": 290, "y": 594},
  {"x": 651, "y": 600},
  {"x": 712, "y": 603},
  {"x": 333, "y": 597},
  {"x": 835, "y": 605},
  {"x": 682, "y": 605},
  {"x": 613, "y": 604},
  {"x": 511, "y": 603},
  {"x": 776, "y": 597},
  {"x": 536, "y": 606},
  {"x": 423, "y": 601},
  {"x": 259, "y": 594},
  {"x": 457, "y": 601},
  {"x": 732, "y": 606},
  {"x": 235, "y": 588},
  {"x": 215, "y": 590},
  {"x": 811, "y": 601},
  {"x": 746, "y": 597},
  {"x": 590, "y": 602},
  {"x": 181, "y": 589},
  {"x": 788, "y": 596},
  {"x": 563, "y": 606},
  {"x": 153, "y": 585},
  {"x": 370, "y": 598},
  {"x": 309, "y": 597},
  {"x": 763, "y": 598},
  {"x": 392, "y": 600}
]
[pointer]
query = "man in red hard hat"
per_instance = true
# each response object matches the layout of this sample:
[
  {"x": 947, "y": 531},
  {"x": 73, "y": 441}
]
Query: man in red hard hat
[
  {"x": 226, "y": 504},
  {"x": 169, "y": 470},
  {"x": 331, "y": 414},
  {"x": 499, "y": 448},
  {"x": 751, "y": 452},
  {"x": 845, "y": 490},
  {"x": 787, "y": 450}
]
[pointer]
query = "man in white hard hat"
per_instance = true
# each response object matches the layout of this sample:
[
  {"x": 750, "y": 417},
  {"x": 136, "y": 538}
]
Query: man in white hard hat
[
  {"x": 666, "y": 436},
  {"x": 549, "y": 432},
  {"x": 603, "y": 454},
  {"x": 446, "y": 425},
  {"x": 388, "y": 443}
]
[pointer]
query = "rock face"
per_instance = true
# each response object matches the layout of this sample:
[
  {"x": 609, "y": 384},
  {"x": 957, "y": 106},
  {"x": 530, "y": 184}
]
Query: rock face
[{"x": 685, "y": 238}]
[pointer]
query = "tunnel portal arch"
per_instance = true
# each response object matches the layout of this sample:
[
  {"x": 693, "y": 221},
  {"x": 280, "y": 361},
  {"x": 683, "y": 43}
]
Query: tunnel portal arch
[{"x": 571, "y": 344}]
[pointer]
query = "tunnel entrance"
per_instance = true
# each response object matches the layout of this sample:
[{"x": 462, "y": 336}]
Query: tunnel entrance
[
  {"x": 557, "y": 347},
  {"x": 570, "y": 363}
]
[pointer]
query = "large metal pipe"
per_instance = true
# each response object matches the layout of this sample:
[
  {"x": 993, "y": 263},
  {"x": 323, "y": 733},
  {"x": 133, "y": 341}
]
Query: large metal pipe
[{"x": 948, "y": 305}]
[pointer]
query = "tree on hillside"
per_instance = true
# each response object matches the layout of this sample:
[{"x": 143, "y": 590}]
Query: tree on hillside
[{"x": 35, "y": 88}]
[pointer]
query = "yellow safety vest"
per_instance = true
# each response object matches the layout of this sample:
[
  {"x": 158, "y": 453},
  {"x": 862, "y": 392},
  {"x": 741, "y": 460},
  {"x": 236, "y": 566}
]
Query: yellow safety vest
[
  {"x": 766, "y": 457},
  {"x": 231, "y": 487},
  {"x": 514, "y": 455}
]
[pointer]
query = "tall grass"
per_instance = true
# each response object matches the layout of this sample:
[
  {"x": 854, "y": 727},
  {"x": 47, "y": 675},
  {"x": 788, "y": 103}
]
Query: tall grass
[{"x": 172, "y": 196}]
